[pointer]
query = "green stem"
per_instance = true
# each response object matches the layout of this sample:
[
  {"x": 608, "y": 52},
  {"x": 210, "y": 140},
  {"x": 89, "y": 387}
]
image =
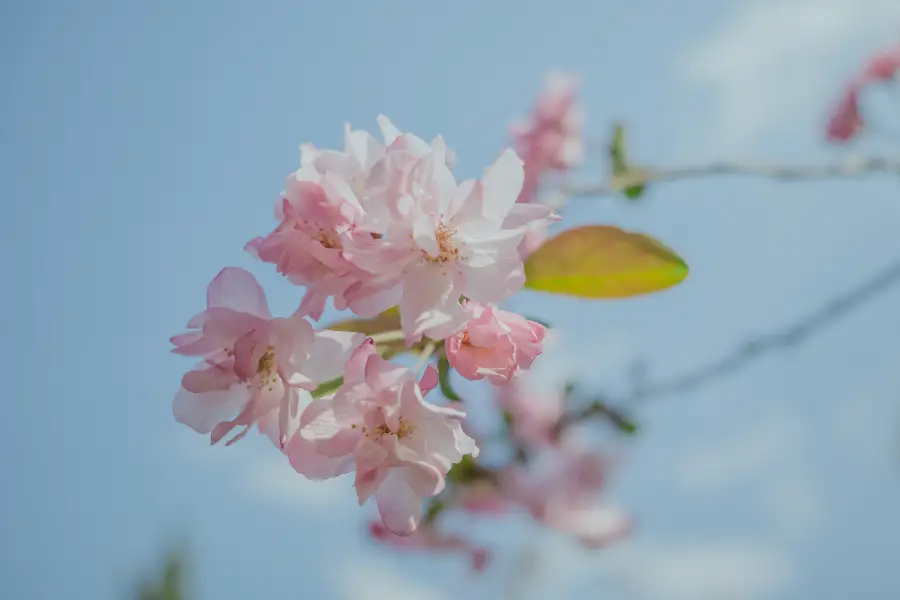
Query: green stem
[
  {"x": 427, "y": 351},
  {"x": 387, "y": 336}
]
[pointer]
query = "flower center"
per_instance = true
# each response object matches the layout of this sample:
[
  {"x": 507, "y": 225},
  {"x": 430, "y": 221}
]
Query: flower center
[
  {"x": 266, "y": 370},
  {"x": 447, "y": 251},
  {"x": 328, "y": 239},
  {"x": 404, "y": 430}
]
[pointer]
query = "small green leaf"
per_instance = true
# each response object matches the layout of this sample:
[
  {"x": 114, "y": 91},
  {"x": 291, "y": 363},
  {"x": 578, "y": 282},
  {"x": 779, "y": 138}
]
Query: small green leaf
[
  {"x": 620, "y": 420},
  {"x": 617, "y": 157},
  {"x": 603, "y": 262},
  {"x": 444, "y": 380},
  {"x": 623, "y": 423},
  {"x": 466, "y": 470},
  {"x": 621, "y": 168},
  {"x": 389, "y": 320},
  {"x": 633, "y": 192},
  {"x": 435, "y": 508},
  {"x": 328, "y": 387}
]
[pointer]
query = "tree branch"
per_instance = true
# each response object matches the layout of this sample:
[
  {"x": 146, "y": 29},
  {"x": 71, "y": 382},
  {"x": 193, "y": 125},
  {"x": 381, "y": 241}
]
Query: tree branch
[
  {"x": 637, "y": 175},
  {"x": 752, "y": 349}
]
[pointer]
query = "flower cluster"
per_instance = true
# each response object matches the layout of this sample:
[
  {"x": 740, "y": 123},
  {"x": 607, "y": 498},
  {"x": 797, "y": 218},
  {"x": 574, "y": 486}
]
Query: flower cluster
[
  {"x": 383, "y": 229},
  {"x": 381, "y": 224},
  {"x": 846, "y": 120}
]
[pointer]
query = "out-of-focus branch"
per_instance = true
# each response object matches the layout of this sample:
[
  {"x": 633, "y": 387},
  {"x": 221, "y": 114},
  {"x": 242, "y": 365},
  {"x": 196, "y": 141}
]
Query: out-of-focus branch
[
  {"x": 752, "y": 349},
  {"x": 640, "y": 175}
]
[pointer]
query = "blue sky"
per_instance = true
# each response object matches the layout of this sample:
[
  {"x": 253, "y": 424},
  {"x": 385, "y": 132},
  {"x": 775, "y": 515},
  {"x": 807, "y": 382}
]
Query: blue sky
[{"x": 143, "y": 143}]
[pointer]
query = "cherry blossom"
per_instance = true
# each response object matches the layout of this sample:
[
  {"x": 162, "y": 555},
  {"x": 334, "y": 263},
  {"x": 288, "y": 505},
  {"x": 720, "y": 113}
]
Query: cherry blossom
[
  {"x": 551, "y": 138},
  {"x": 255, "y": 368},
  {"x": 882, "y": 66},
  {"x": 400, "y": 447},
  {"x": 429, "y": 538},
  {"x": 444, "y": 240},
  {"x": 561, "y": 489},
  {"x": 533, "y": 415},
  {"x": 494, "y": 343},
  {"x": 846, "y": 121}
]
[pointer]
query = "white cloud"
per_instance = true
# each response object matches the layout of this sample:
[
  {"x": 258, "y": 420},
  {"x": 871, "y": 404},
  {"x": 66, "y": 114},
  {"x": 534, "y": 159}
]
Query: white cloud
[
  {"x": 870, "y": 428},
  {"x": 603, "y": 358},
  {"x": 769, "y": 62},
  {"x": 795, "y": 504},
  {"x": 258, "y": 470},
  {"x": 713, "y": 569},
  {"x": 757, "y": 450},
  {"x": 362, "y": 579},
  {"x": 729, "y": 569}
]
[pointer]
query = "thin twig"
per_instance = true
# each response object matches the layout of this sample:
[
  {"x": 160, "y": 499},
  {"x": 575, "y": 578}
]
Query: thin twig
[
  {"x": 754, "y": 348},
  {"x": 424, "y": 357},
  {"x": 387, "y": 336},
  {"x": 638, "y": 176}
]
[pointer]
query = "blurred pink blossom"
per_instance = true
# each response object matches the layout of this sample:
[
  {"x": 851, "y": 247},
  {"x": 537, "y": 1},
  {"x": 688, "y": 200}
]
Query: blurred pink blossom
[
  {"x": 550, "y": 139},
  {"x": 429, "y": 538}
]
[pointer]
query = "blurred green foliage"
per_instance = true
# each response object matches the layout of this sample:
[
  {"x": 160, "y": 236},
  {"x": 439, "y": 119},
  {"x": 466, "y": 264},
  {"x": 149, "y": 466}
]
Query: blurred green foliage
[{"x": 170, "y": 583}]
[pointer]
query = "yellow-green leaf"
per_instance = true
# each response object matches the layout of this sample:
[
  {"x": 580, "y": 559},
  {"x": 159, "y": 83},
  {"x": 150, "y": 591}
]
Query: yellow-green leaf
[
  {"x": 600, "y": 261},
  {"x": 389, "y": 320}
]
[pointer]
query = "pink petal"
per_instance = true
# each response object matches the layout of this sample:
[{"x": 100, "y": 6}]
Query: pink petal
[
  {"x": 307, "y": 461},
  {"x": 399, "y": 505},
  {"x": 202, "y": 412},
  {"x": 238, "y": 290},
  {"x": 502, "y": 183},
  {"x": 429, "y": 380},
  {"x": 382, "y": 374},
  {"x": 430, "y": 303},
  {"x": 330, "y": 353}
]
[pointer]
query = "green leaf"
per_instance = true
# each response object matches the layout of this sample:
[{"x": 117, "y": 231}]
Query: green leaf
[
  {"x": 603, "y": 262},
  {"x": 435, "y": 508},
  {"x": 618, "y": 159},
  {"x": 634, "y": 192},
  {"x": 328, "y": 387},
  {"x": 444, "y": 380},
  {"x": 389, "y": 320},
  {"x": 467, "y": 471},
  {"x": 617, "y": 156}
]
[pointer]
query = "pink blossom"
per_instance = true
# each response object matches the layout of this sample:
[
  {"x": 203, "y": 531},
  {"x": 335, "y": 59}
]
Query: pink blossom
[
  {"x": 551, "y": 138},
  {"x": 319, "y": 208},
  {"x": 881, "y": 67},
  {"x": 846, "y": 120},
  {"x": 534, "y": 239},
  {"x": 494, "y": 343},
  {"x": 322, "y": 209},
  {"x": 427, "y": 537},
  {"x": 561, "y": 492},
  {"x": 481, "y": 497},
  {"x": 440, "y": 240},
  {"x": 378, "y": 423},
  {"x": 534, "y": 415},
  {"x": 255, "y": 368}
]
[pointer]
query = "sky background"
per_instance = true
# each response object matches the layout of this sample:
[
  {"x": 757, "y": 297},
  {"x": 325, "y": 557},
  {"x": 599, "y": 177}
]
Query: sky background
[{"x": 143, "y": 143}]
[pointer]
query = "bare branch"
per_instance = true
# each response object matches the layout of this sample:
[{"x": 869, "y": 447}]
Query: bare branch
[
  {"x": 754, "y": 348},
  {"x": 638, "y": 176}
]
